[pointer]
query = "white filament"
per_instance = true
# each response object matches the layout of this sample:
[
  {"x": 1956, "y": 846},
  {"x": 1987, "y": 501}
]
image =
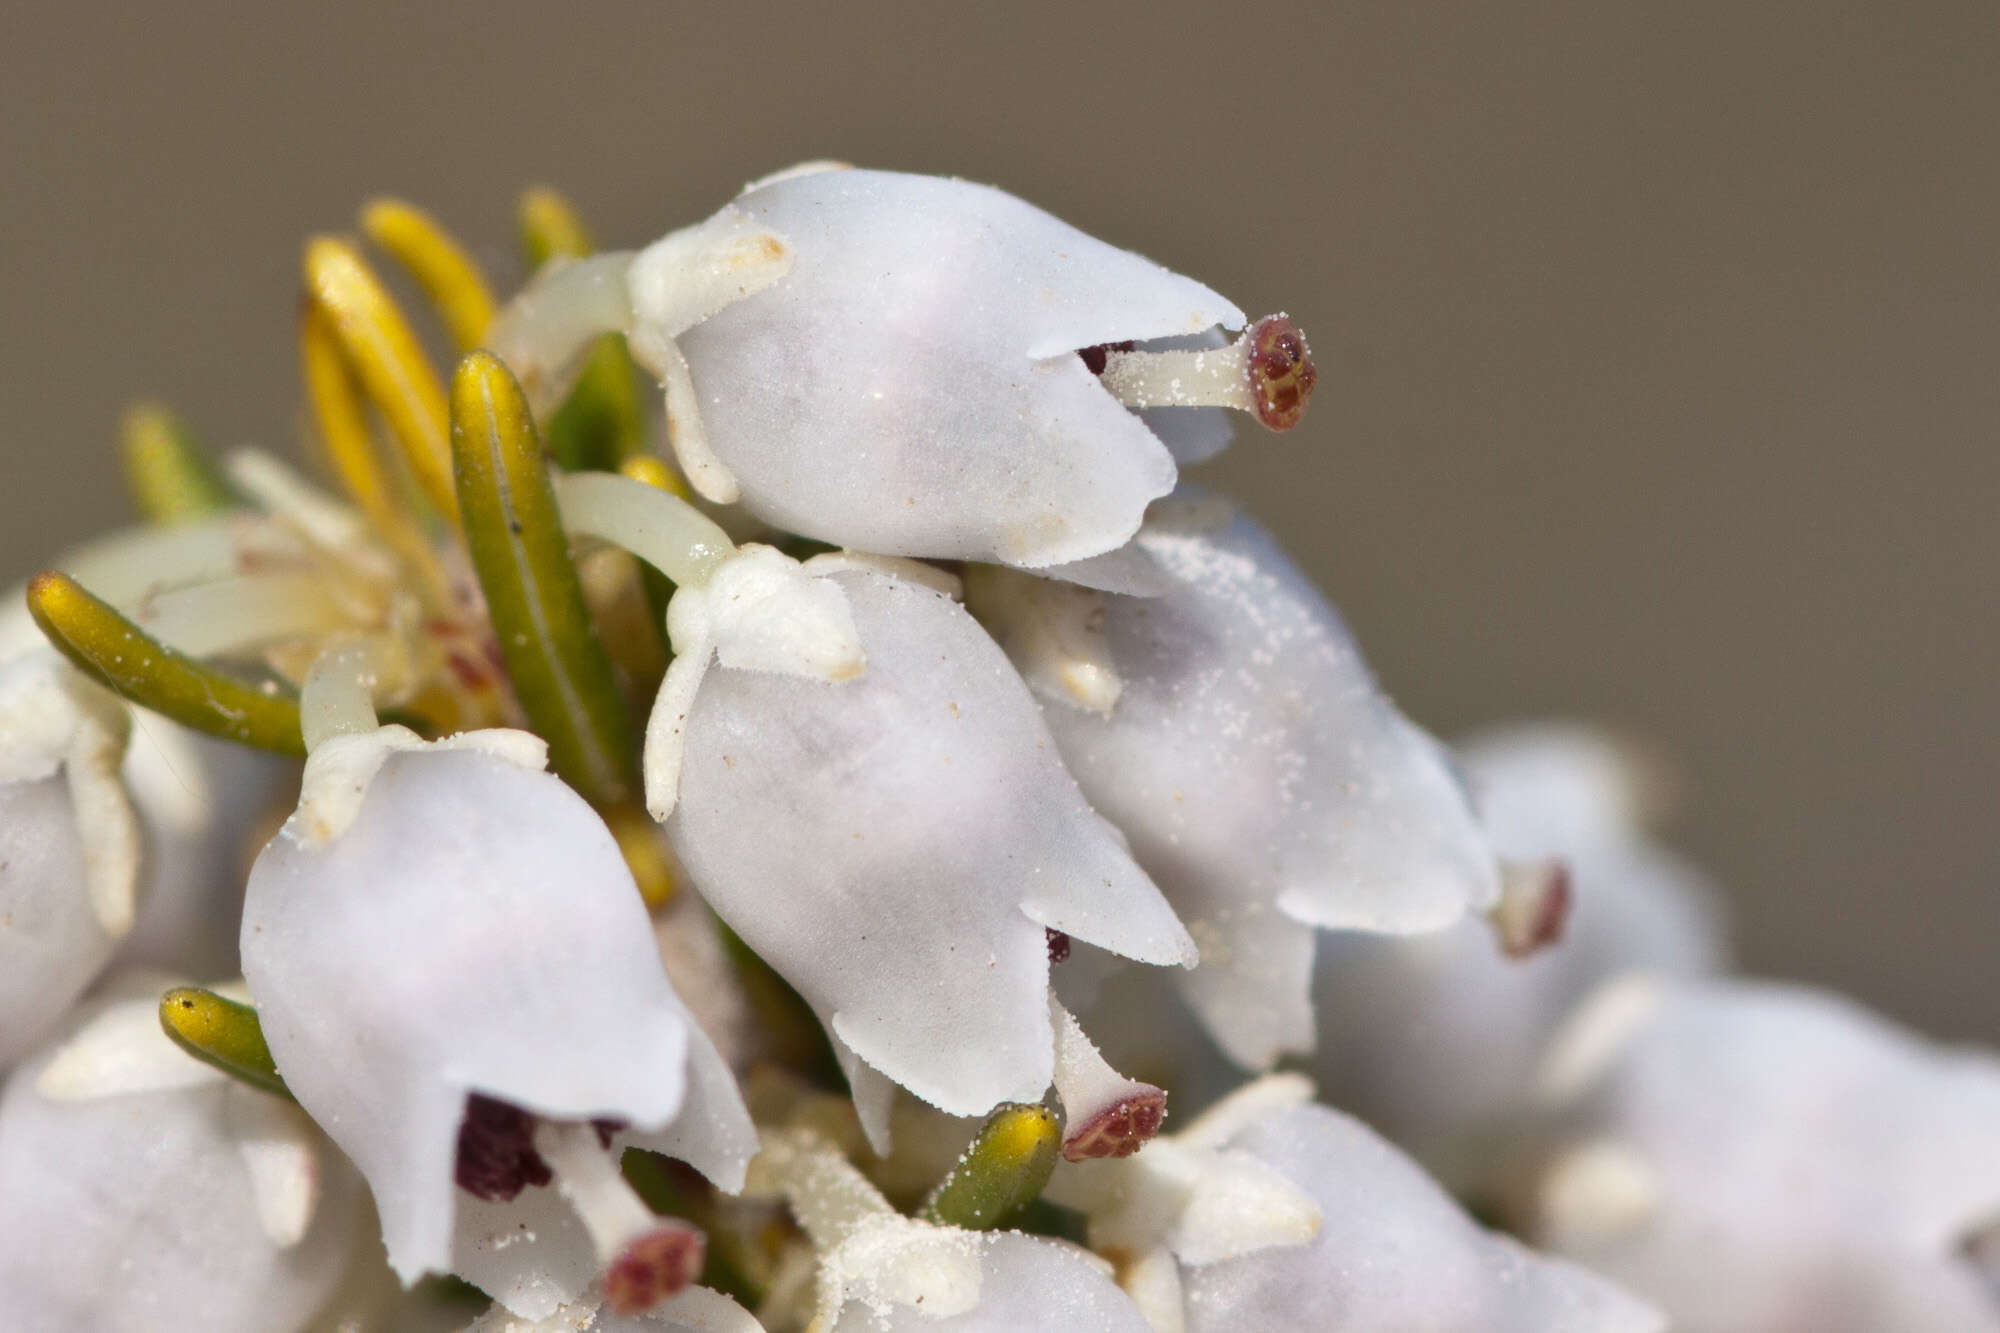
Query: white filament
[
  {"x": 231, "y": 614},
  {"x": 1218, "y": 377},
  {"x": 542, "y": 333},
  {"x": 338, "y": 697},
  {"x": 662, "y": 529},
  {"x": 282, "y": 492},
  {"x": 588, "y": 1177}
]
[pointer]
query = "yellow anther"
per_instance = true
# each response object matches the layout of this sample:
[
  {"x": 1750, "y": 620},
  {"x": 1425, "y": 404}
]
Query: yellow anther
[
  {"x": 341, "y": 413},
  {"x": 388, "y": 360},
  {"x": 439, "y": 264},
  {"x": 171, "y": 476},
  {"x": 550, "y": 227},
  {"x": 655, "y": 473}
]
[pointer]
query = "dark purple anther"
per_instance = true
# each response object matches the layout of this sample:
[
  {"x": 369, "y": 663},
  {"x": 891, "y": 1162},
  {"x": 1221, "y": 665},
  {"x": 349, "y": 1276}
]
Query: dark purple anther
[
  {"x": 496, "y": 1150},
  {"x": 1095, "y": 358}
]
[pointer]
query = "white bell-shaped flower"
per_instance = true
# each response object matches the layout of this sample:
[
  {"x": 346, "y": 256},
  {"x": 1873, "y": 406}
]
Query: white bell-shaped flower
[
  {"x": 1757, "y": 1157},
  {"x": 201, "y": 802},
  {"x": 899, "y": 840},
  {"x": 1433, "y": 1040},
  {"x": 1269, "y": 1213},
  {"x": 891, "y": 363},
  {"x": 69, "y": 843},
  {"x": 455, "y": 975},
  {"x": 1231, "y": 729},
  {"x": 881, "y": 1272},
  {"x": 140, "y": 1188}
]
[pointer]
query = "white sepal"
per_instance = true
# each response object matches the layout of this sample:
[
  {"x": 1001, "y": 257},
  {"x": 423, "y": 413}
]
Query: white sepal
[
  {"x": 282, "y": 1152},
  {"x": 759, "y": 610},
  {"x": 52, "y": 719}
]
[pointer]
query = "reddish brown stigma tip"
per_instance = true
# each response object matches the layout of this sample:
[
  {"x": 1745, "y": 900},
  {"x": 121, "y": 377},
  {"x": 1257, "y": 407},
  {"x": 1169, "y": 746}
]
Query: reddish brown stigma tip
[
  {"x": 659, "y": 1264},
  {"x": 1281, "y": 370},
  {"x": 1534, "y": 906},
  {"x": 1119, "y": 1130},
  {"x": 1058, "y": 945}
]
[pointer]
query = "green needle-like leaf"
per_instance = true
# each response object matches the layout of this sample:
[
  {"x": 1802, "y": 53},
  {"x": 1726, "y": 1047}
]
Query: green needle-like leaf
[
  {"x": 1002, "y": 1172},
  {"x": 131, "y": 662},
  {"x": 171, "y": 476},
  {"x": 560, "y": 671},
  {"x": 219, "y": 1031},
  {"x": 600, "y": 424}
]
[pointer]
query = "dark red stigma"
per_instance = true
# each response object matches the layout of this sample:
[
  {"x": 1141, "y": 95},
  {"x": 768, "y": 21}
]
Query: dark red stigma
[
  {"x": 1119, "y": 1130},
  {"x": 657, "y": 1265},
  {"x": 1282, "y": 373},
  {"x": 1058, "y": 945}
]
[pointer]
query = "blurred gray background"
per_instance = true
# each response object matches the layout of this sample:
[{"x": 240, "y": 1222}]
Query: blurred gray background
[{"x": 1658, "y": 342}]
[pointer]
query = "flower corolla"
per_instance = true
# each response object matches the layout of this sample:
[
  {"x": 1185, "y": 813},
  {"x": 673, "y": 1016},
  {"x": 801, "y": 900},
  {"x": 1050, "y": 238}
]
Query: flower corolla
[
  {"x": 140, "y": 1188},
  {"x": 448, "y": 951},
  {"x": 1230, "y": 728},
  {"x": 891, "y": 363},
  {"x": 1433, "y": 1039},
  {"x": 899, "y": 843}
]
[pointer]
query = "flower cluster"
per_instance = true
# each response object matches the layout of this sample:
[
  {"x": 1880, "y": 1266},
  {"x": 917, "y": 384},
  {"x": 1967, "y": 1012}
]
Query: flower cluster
[{"x": 779, "y": 869}]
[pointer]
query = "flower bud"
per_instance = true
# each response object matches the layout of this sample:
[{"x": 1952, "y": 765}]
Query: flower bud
[
  {"x": 140, "y": 1188},
  {"x": 1393, "y": 1251},
  {"x": 1433, "y": 1040},
  {"x": 1759, "y": 1157}
]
